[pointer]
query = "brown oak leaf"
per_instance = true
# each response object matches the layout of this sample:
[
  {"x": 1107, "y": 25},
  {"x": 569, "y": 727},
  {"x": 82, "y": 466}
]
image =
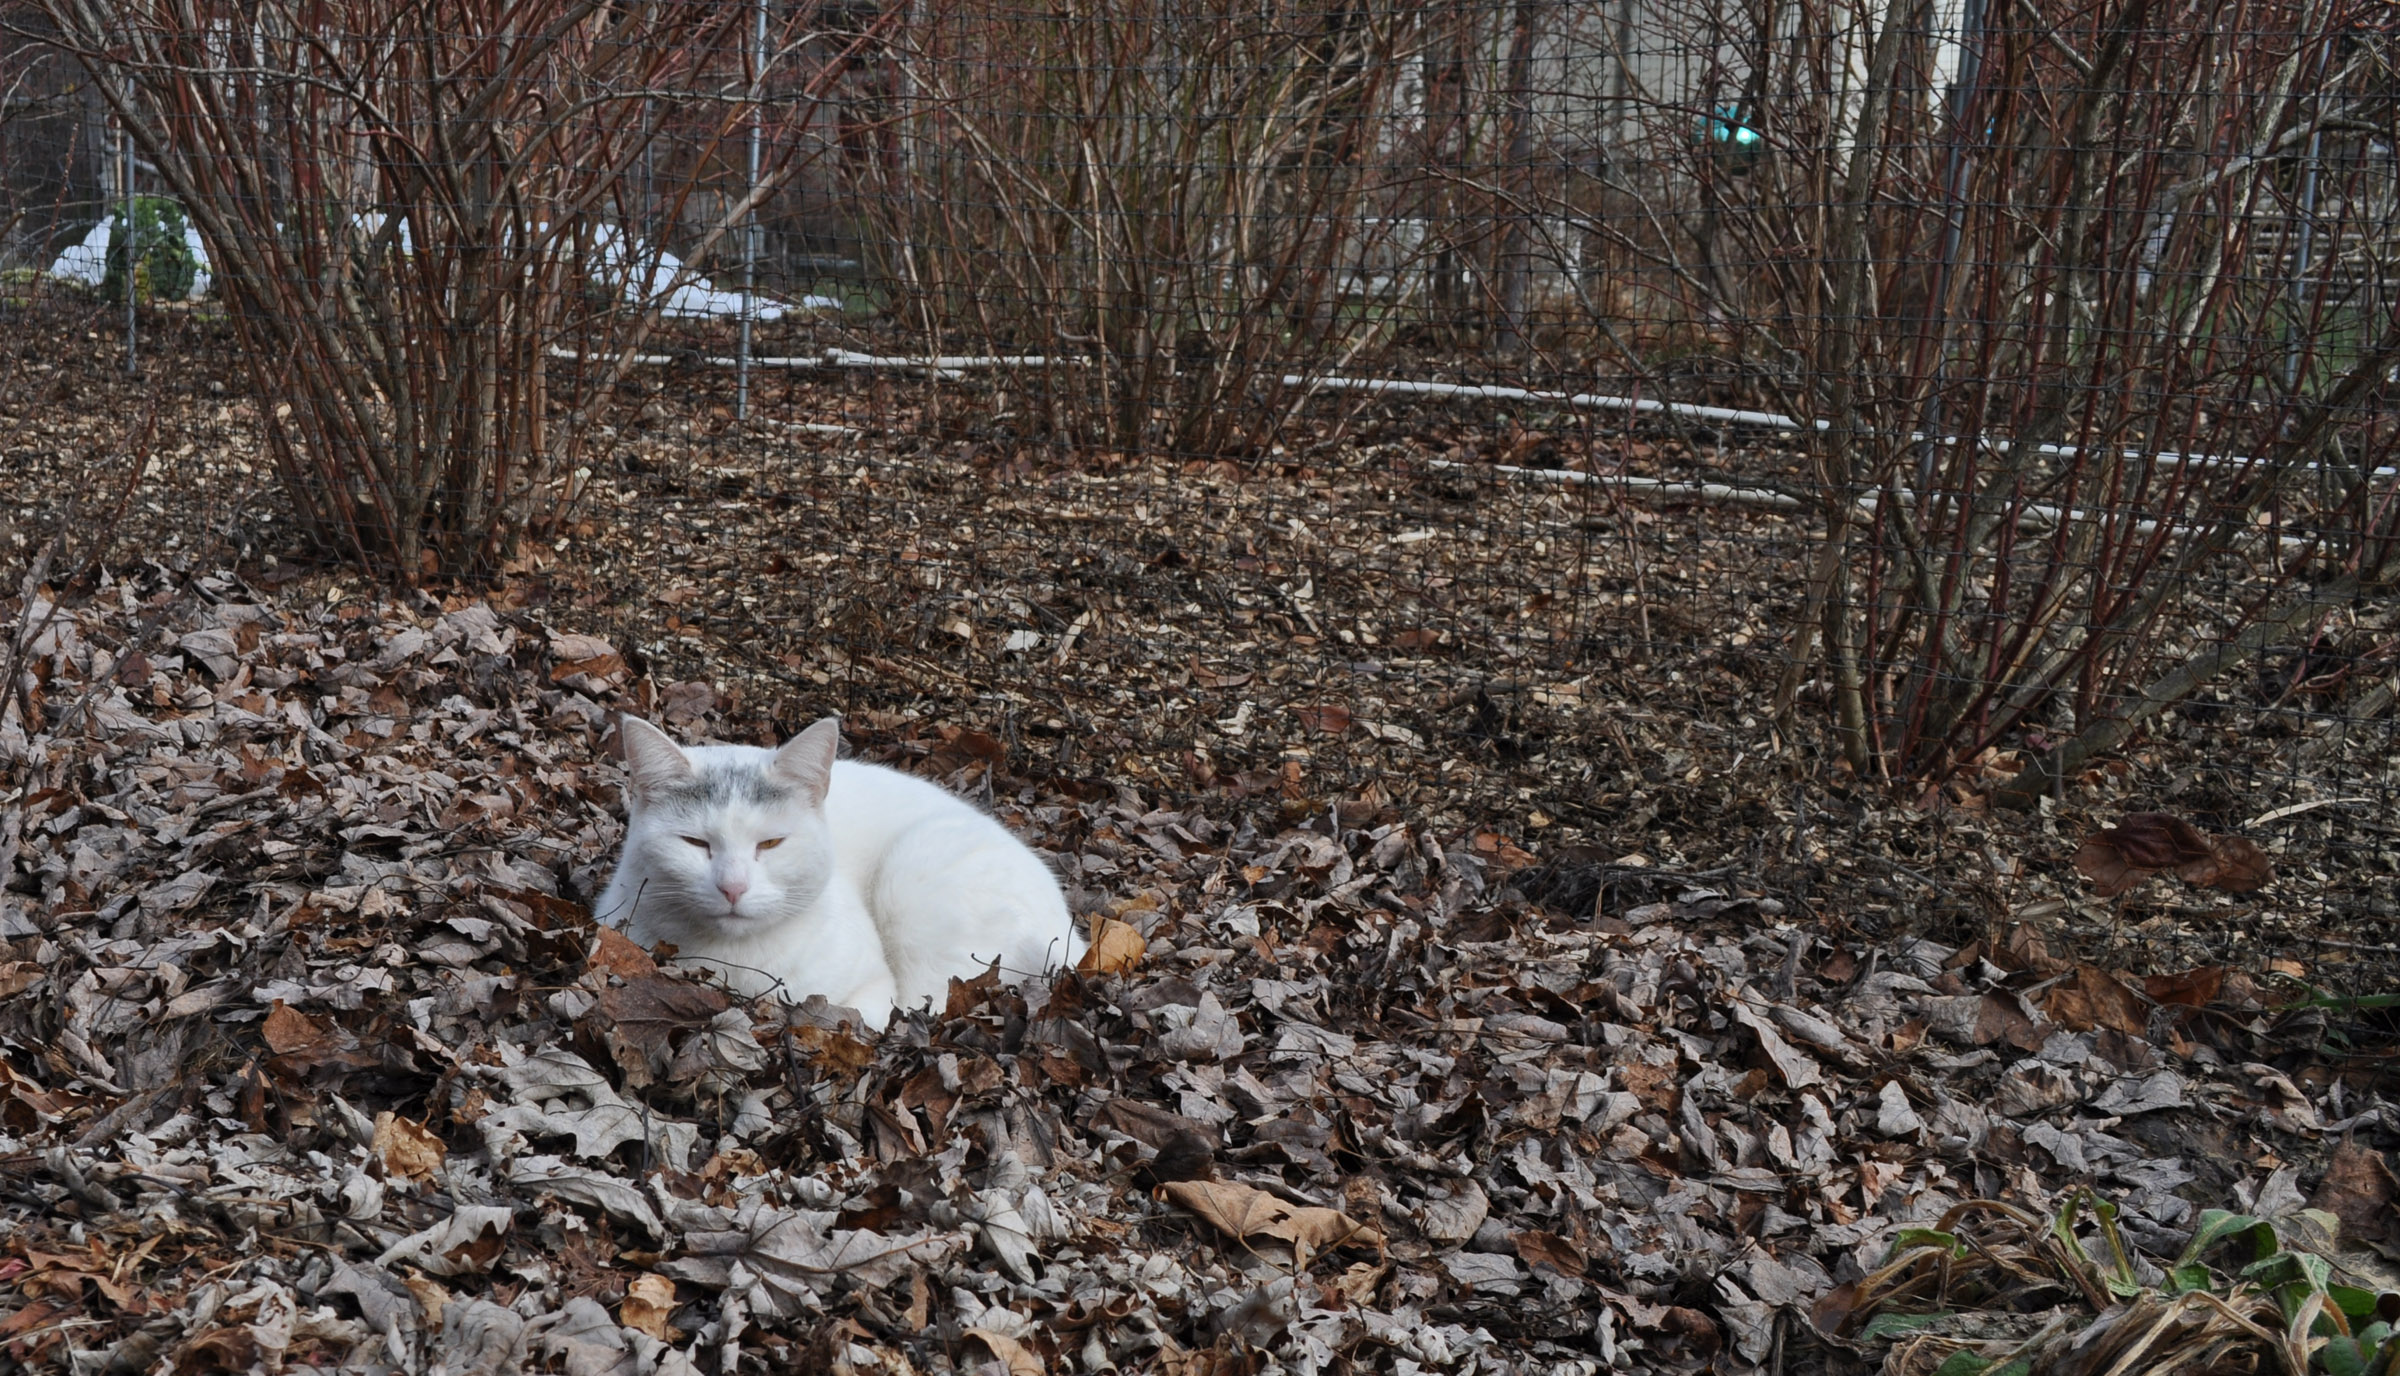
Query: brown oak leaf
[
  {"x": 1240, "y": 1211},
  {"x": 2143, "y": 843},
  {"x": 1331, "y": 719}
]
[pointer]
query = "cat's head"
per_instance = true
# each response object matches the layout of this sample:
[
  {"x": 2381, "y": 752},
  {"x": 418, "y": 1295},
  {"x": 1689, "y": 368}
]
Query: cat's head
[{"x": 724, "y": 841}]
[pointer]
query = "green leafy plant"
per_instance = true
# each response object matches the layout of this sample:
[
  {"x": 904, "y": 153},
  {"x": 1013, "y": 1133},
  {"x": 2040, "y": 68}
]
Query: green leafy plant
[
  {"x": 164, "y": 266},
  {"x": 2021, "y": 1291}
]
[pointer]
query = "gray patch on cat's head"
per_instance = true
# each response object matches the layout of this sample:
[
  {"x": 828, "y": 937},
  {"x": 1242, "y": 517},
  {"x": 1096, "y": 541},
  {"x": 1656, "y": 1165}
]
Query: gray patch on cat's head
[{"x": 722, "y": 783}]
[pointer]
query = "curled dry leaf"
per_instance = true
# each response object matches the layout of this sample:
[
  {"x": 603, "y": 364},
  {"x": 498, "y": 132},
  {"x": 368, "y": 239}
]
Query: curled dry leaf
[
  {"x": 2233, "y": 864},
  {"x": 1146, "y": 1123},
  {"x": 641, "y": 1019},
  {"x": 2144, "y": 843},
  {"x": 288, "y": 1032},
  {"x": 2096, "y": 998},
  {"x": 302, "y": 1045},
  {"x": 1116, "y": 948},
  {"x": 2001, "y": 1017},
  {"x": 466, "y": 1242},
  {"x": 649, "y": 1300},
  {"x": 836, "y": 1050},
  {"x": 2191, "y": 989},
  {"x": 1538, "y": 1248},
  {"x": 1239, "y": 1211},
  {"x": 1185, "y": 1156},
  {"x": 585, "y": 662},
  {"x": 2360, "y": 1190},
  {"x": 231, "y": 1348},
  {"x": 1331, "y": 719},
  {"x": 431, "y": 1297},
  {"x": 615, "y": 953},
  {"x": 407, "y": 1149},
  {"x": 1500, "y": 852},
  {"x": 1020, "y": 1359}
]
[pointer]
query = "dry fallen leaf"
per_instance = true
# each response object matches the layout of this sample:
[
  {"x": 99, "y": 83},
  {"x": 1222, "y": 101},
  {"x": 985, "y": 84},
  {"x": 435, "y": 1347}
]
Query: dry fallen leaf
[
  {"x": 838, "y": 1051},
  {"x": 2191, "y": 989},
  {"x": 2359, "y": 1189},
  {"x": 469, "y": 1241},
  {"x": 2001, "y": 1017},
  {"x": 2096, "y": 998},
  {"x": 1116, "y": 948},
  {"x": 303, "y": 1045},
  {"x": 1499, "y": 852},
  {"x": 1537, "y": 1248},
  {"x": 231, "y": 1348},
  {"x": 649, "y": 1300},
  {"x": 641, "y": 1019},
  {"x": 597, "y": 675},
  {"x": 431, "y": 1298},
  {"x": 1147, "y": 1122},
  {"x": 1358, "y": 1282},
  {"x": 615, "y": 953},
  {"x": 1240, "y": 1211},
  {"x": 567, "y": 646},
  {"x": 288, "y": 1032},
  {"x": 1021, "y": 1360},
  {"x": 2143, "y": 843},
  {"x": 1185, "y": 1156},
  {"x": 1331, "y": 719},
  {"x": 2233, "y": 864},
  {"x": 407, "y": 1149}
]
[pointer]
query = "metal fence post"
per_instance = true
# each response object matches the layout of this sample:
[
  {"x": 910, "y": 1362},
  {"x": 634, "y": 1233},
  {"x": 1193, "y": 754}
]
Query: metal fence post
[
  {"x": 750, "y": 234},
  {"x": 133, "y": 361}
]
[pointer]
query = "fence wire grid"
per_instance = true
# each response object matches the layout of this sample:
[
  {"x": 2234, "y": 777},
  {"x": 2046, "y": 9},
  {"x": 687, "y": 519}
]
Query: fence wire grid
[{"x": 1993, "y": 403}]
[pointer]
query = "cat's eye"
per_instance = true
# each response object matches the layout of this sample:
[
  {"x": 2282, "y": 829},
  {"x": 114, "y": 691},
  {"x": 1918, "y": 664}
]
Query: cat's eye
[
  {"x": 770, "y": 843},
  {"x": 700, "y": 841}
]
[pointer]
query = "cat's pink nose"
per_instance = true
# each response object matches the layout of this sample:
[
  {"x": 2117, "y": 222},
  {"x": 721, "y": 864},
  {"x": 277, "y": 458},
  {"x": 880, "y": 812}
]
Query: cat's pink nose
[{"x": 733, "y": 889}]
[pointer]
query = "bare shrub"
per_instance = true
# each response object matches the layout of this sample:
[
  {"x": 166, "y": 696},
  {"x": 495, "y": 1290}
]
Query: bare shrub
[
  {"x": 1184, "y": 201},
  {"x": 2088, "y": 324},
  {"x": 417, "y": 211}
]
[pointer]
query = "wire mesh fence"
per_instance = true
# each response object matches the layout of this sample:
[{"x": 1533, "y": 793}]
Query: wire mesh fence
[{"x": 1996, "y": 399}]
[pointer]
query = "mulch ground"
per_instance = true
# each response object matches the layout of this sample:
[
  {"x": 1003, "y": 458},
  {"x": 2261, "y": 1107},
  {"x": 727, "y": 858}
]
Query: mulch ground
[{"x": 1505, "y": 992}]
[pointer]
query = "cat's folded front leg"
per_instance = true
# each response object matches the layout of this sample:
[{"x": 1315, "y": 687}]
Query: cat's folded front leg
[{"x": 873, "y": 999}]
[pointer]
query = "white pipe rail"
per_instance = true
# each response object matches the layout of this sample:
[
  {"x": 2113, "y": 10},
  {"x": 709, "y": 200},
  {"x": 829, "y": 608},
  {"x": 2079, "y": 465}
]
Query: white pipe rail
[
  {"x": 1723, "y": 415},
  {"x": 954, "y": 366},
  {"x": 2038, "y": 518}
]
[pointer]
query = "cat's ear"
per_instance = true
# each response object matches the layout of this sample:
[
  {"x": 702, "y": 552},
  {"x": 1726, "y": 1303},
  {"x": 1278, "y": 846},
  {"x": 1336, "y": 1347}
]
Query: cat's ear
[
  {"x": 806, "y": 761},
  {"x": 654, "y": 763}
]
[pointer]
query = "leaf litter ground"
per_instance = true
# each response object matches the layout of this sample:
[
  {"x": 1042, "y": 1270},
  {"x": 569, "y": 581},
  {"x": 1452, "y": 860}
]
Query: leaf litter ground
[{"x": 1465, "y": 1008}]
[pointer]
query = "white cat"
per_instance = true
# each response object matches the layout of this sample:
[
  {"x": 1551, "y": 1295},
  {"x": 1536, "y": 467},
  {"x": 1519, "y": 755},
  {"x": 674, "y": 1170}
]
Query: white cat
[{"x": 792, "y": 872}]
